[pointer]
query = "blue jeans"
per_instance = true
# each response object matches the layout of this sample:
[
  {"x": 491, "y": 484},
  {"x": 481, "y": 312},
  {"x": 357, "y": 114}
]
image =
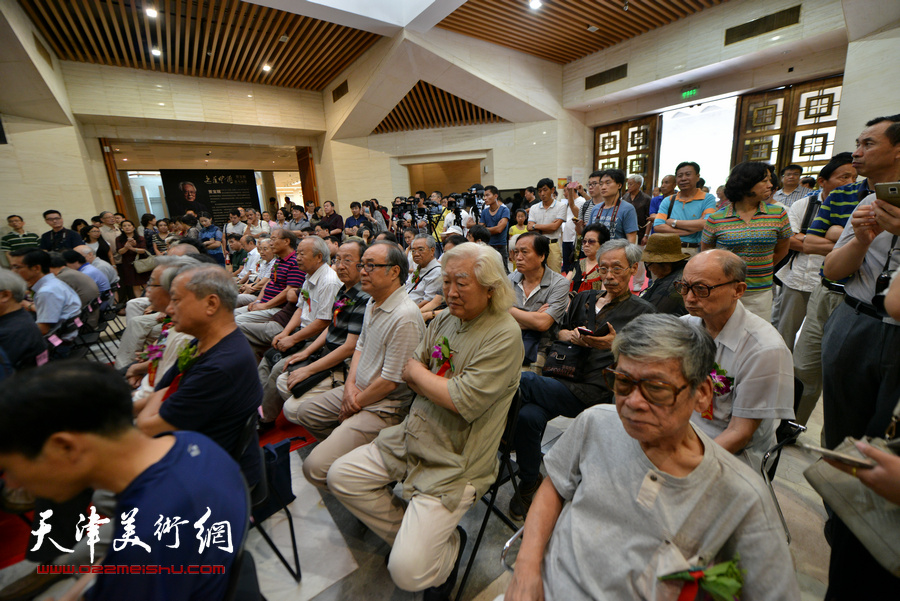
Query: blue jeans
[{"x": 542, "y": 399}]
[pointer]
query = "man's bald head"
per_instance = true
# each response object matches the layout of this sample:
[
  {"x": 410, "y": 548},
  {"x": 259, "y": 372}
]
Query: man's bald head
[{"x": 717, "y": 280}]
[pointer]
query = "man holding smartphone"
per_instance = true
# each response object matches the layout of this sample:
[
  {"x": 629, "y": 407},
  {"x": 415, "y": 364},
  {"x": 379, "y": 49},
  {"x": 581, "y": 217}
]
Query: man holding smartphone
[
  {"x": 860, "y": 362},
  {"x": 590, "y": 325}
]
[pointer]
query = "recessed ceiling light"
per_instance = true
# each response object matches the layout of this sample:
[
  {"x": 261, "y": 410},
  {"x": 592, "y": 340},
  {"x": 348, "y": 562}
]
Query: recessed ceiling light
[
  {"x": 283, "y": 39},
  {"x": 267, "y": 68},
  {"x": 775, "y": 38},
  {"x": 155, "y": 52},
  {"x": 545, "y": 133},
  {"x": 592, "y": 29},
  {"x": 124, "y": 159},
  {"x": 249, "y": 95},
  {"x": 162, "y": 104},
  {"x": 151, "y": 12},
  {"x": 535, "y": 4}
]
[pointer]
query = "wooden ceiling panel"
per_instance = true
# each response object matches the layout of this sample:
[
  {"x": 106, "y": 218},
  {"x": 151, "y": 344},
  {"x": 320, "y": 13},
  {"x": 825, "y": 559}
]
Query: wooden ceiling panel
[
  {"x": 227, "y": 39},
  {"x": 426, "y": 106},
  {"x": 558, "y": 30}
]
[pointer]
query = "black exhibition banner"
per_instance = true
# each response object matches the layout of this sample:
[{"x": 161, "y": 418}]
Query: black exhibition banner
[{"x": 214, "y": 191}]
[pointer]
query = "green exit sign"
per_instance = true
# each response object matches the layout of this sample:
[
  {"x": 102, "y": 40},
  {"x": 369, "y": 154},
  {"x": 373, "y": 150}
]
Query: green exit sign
[{"x": 689, "y": 93}]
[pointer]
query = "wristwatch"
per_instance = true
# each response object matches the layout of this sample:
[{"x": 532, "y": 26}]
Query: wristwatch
[{"x": 675, "y": 223}]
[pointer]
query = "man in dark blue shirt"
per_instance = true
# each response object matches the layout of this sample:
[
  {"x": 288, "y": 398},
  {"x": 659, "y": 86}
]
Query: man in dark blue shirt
[
  {"x": 213, "y": 388},
  {"x": 20, "y": 337},
  {"x": 58, "y": 238},
  {"x": 181, "y": 500}
]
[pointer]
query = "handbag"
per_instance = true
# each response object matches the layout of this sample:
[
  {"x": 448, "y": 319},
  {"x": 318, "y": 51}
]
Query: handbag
[
  {"x": 564, "y": 360},
  {"x": 874, "y": 520},
  {"x": 145, "y": 264},
  {"x": 304, "y": 386},
  {"x": 278, "y": 474}
]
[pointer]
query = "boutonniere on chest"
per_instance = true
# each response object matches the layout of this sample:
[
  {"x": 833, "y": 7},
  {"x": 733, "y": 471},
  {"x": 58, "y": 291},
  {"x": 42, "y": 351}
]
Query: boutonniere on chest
[
  {"x": 722, "y": 385},
  {"x": 187, "y": 357},
  {"x": 416, "y": 278},
  {"x": 444, "y": 354},
  {"x": 305, "y": 294},
  {"x": 341, "y": 304}
]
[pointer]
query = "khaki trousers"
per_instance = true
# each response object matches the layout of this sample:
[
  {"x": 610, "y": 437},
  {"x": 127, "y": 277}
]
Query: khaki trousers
[
  {"x": 791, "y": 311},
  {"x": 808, "y": 350},
  {"x": 554, "y": 261},
  {"x": 422, "y": 534},
  {"x": 759, "y": 303},
  {"x": 319, "y": 414}
]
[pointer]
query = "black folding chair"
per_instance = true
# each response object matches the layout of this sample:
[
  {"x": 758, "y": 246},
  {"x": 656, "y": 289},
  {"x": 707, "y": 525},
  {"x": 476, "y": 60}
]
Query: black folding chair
[{"x": 508, "y": 469}]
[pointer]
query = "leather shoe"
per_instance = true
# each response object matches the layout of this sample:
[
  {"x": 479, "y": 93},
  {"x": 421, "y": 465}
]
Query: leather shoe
[
  {"x": 442, "y": 592},
  {"x": 30, "y": 586},
  {"x": 521, "y": 501}
]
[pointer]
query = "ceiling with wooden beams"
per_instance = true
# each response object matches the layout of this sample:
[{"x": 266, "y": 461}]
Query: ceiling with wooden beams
[
  {"x": 225, "y": 39},
  {"x": 557, "y": 31},
  {"x": 426, "y": 106}
]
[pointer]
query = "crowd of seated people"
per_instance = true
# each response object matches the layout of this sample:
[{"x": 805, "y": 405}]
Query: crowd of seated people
[{"x": 400, "y": 341}]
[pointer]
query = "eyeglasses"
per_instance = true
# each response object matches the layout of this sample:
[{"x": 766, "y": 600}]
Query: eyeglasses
[
  {"x": 592, "y": 184},
  {"x": 661, "y": 394},
  {"x": 370, "y": 267},
  {"x": 615, "y": 270},
  {"x": 153, "y": 285},
  {"x": 589, "y": 241},
  {"x": 699, "y": 290},
  {"x": 415, "y": 250}
]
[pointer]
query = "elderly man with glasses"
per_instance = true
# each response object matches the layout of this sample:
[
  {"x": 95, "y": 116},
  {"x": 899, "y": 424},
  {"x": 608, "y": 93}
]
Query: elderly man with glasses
[
  {"x": 754, "y": 369},
  {"x": 589, "y": 329},
  {"x": 641, "y": 493}
]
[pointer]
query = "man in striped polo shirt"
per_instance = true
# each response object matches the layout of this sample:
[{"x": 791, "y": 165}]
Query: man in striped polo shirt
[
  {"x": 285, "y": 277},
  {"x": 18, "y": 237}
]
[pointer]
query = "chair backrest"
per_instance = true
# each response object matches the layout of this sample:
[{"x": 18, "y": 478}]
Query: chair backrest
[{"x": 512, "y": 419}]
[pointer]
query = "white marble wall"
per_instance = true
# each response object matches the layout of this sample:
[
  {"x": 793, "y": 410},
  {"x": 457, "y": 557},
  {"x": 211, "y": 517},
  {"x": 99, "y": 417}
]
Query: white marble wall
[
  {"x": 871, "y": 84},
  {"x": 122, "y": 92},
  {"x": 692, "y": 49},
  {"x": 50, "y": 166}
]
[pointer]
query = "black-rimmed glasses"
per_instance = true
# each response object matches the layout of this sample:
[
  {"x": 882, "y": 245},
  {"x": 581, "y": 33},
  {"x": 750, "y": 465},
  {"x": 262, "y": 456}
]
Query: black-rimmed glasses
[
  {"x": 655, "y": 392},
  {"x": 699, "y": 290},
  {"x": 370, "y": 267}
]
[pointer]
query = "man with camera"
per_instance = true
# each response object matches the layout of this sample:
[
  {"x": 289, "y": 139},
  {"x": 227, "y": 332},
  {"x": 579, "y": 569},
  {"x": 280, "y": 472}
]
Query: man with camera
[{"x": 547, "y": 218}]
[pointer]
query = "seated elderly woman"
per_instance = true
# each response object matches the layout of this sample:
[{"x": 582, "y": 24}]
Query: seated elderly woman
[{"x": 659, "y": 496}]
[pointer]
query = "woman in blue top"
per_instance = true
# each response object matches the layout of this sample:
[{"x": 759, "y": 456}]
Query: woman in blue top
[{"x": 211, "y": 238}]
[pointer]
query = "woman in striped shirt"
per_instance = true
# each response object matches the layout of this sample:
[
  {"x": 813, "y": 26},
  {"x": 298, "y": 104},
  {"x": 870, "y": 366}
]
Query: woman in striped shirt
[{"x": 757, "y": 232}]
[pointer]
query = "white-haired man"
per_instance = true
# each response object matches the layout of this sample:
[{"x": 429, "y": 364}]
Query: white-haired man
[{"x": 464, "y": 373}]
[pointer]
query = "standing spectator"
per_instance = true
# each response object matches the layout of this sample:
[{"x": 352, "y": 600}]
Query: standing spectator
[
  {"x": 54, "y": 301},
  {"x": 298, "y": 219},
  {"x": 130, "y": 247},
  {"x": 792, "y": 190},
  {"x": 77, "y": 224},
  {"x": 495, "y": 217},
  {"x": 93, "y": 239},
  {"x": 860, "y": 362},
  {"x": 18, "y": 237},
  {"x": 147, "y": 227},
  {"x": 665, "y": 260},
  {"x": 546, "y": 218},
  {"x": 109, "y": 229},
  {"x": 332, "y": 222},
  {"x": 355, "y": 220},
  {"x": 281, "y": 219},
  {"x": 640, "y": 200},
  {"x": 255, "y": 226},
  {"x": 190, "y": 229},
  {"x": 575, "y": 202},
  {"x": 665, "y": 189},
  {"x": 20, "y": 337},
  {"x": 800, "y": 276},
  {"x": 211, "y": 238},
  {"x": 757, "y": 232},
  {"x": 234, "y": 225},
  {"x": 371, "y": 211},
  {"x": 541, "y": 296},
  {"x": 157, "y": 241},
  {"x": 58, "y": 238},
  {"x": 685, "y": 213},
  {"x": 617, "y": 214}
]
